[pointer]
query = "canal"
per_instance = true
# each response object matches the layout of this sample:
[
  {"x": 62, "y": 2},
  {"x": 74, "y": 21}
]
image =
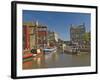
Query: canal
[{"x": 58, "y": 59}]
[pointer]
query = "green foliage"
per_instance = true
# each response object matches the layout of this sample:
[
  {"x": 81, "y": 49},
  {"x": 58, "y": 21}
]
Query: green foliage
[{"x": 86, "y": 36}]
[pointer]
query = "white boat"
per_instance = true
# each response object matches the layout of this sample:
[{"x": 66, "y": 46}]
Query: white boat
[{"x": 49, "y": 50}]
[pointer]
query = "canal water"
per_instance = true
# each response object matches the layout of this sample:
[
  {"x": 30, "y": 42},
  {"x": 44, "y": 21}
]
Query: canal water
[{"x": 58, "y": 59}]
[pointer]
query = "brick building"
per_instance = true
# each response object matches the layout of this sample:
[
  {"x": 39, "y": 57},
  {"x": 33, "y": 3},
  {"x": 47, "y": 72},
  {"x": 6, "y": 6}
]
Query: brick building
[
  {"x": 29, "y": 35},
  {"x": 34, "y": 35},
  {"x": 42, "y": 34}
]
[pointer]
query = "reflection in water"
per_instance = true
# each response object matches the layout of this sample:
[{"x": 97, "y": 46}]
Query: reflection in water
[
  {"x": 28, "y": 65},
  {"x": 53, "y": 60}
]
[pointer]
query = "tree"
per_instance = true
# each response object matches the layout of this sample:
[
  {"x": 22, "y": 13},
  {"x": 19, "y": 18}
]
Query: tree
[{"x": 86, "y": 37}]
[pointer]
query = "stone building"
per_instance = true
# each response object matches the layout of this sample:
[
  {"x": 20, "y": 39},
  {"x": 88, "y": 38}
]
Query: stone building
[
  {"x": 52, "y": 38},
  {"x": 76, "y": 33}
]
